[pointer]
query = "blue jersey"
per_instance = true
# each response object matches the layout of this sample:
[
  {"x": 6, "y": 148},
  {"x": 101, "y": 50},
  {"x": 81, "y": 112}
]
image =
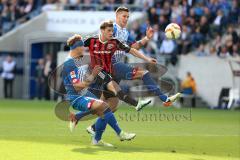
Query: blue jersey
[
  {"x": 72, "y": 73},
  {"x": 124, "y": 36}
]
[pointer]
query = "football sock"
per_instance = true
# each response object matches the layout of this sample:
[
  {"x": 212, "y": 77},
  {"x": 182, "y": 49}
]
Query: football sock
[
  {"x": 100, "y": 127},
  {"x": 152, "y": 86},
  {"x": 126, "y": 98},
  {"x": 101, "y": 123},
  {"x": 111, "y": 120}
]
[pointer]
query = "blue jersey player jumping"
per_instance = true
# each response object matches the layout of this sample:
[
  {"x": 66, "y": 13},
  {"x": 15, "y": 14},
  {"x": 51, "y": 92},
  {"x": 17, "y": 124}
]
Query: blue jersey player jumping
[{"x": 120, "y": 32}]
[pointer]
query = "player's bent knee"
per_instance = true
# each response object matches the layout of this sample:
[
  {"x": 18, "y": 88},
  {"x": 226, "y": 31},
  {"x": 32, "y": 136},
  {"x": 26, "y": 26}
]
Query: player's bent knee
[
  {"x": 104, "y": 105},
  {"x": 140, "y": 73},
  {"x": 113, "y": 86},
  {"x": 99, "y": 106},
  {"x": 113, "y": 103}
]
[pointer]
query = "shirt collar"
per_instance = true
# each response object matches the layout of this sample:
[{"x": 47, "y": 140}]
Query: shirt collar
[
  {"x": 119, "y": 27},
  {"x": 99, "y": 37}
]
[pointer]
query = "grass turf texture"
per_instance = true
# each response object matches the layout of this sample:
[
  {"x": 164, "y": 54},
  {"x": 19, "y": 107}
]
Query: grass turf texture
[{"x": 30, "y": 130}]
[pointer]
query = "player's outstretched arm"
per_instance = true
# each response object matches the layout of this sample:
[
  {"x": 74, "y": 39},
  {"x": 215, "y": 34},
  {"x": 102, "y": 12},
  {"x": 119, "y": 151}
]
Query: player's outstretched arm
[
  {"x": 138, "y": 54},
  {"x": 139, "y": 44}
]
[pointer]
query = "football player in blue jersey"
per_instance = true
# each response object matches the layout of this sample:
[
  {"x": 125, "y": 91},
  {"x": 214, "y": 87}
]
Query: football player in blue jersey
[
  {"x": 76, "y": 82},
  {"x": 128, "y": 72}
]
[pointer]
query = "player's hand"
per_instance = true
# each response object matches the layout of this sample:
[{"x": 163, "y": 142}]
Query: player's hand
[
  {"x": 96, "y": 70},
  {"x": 149, "y": 32},
  {"x": 152, "y": 60}
]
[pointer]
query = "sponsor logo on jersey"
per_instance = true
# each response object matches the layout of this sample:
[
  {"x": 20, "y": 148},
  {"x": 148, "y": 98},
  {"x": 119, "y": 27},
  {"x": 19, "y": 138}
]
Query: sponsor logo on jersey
[
  {"x": 102, "y": 52},
  {"x": 73, "y": 74},
  {"x": 110, "y": 46}
]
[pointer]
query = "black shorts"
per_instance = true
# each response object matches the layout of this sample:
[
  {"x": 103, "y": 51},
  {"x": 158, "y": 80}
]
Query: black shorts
[{"x": 99, "y": 87}]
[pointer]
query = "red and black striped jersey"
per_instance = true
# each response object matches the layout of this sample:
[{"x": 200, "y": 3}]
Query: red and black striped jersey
[{"x": 101, "y": 52}]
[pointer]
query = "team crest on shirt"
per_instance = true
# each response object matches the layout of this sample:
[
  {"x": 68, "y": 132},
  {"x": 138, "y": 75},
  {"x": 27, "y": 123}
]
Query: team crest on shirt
[
  {"x": 110, "y": 46},
  {"x": 95, "y": 45},
  {"x": 73, "y": 74}
]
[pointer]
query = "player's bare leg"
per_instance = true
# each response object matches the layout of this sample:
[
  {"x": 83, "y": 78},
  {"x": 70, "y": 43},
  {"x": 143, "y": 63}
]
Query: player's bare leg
[{"x": 114, "y": 87}]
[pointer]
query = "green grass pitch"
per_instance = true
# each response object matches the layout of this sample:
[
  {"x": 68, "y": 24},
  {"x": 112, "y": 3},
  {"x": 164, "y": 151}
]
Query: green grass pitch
[{"x": 29, "y": 130}]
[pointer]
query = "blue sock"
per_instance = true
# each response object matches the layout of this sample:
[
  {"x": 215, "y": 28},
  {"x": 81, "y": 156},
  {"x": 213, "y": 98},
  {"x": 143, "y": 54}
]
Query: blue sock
[
  {"x": 111, "y": 120},
  {"x": 100, "y": 126},
  {"x": 81, "y": 114},
  {"x": 152, "y": 86}
]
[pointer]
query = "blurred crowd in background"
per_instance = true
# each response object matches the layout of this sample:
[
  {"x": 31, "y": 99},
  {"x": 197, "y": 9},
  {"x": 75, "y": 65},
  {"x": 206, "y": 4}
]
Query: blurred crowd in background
[
  {"x": 43, "y": 69},
  {"x": 8, "y": 72},
  {"x": 209, "y": 27},
  {"x": 13, "y": 13},
  {"x": 200, "y": 20}
]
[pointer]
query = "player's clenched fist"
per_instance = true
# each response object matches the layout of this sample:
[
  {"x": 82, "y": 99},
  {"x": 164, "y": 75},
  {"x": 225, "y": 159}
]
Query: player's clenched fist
[
  {"x": 149, "y": 32},
  {"x": 152, "y": 60}
]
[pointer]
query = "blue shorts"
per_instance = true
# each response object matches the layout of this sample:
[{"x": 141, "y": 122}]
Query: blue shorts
[
  {"x": 83, "y": 103},
  {"x": 123, "y": 71}
]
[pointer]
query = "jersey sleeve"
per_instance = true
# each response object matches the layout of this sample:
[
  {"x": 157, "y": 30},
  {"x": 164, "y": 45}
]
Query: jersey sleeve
[
  {"x": 131, "y": 39},
  {"x": 70, "y": 73},
  {"x": 74, "y": 76},
  {"x": 86, "y": 41},
  {"x": 78, "y": 74},
  {"x": 123, "y": 46}
]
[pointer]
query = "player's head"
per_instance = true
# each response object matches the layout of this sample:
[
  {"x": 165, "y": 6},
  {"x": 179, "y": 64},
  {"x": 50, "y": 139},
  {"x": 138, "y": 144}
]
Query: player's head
[
  {"x": 189, "y": 74},
  {"x": 76, "y": 43},
  {"x": 106, "y": 28},
  {"x": 9, "y": 58},
  {"x": 122, "y": 15}
]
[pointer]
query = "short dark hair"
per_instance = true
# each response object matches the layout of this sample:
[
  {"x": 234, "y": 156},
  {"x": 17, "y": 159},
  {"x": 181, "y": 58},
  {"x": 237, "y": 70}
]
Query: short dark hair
[
  {"x": 105, "y": 24},
  {"x": 122, "y": 8}
]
